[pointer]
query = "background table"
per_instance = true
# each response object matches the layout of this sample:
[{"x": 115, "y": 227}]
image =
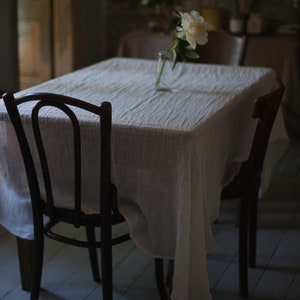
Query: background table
[{"x": 171, "y": 154}]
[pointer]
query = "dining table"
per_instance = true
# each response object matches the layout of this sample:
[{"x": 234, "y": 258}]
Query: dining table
[
  {"x": 259, "y": 52},
  {"x": 172, "y": 152}
]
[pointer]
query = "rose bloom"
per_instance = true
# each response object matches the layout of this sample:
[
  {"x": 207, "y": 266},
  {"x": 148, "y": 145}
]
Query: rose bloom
[{"x": 194, "y": 29}]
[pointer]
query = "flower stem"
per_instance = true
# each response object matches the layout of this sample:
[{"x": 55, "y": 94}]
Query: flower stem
[{"x": 164, "y": 58}]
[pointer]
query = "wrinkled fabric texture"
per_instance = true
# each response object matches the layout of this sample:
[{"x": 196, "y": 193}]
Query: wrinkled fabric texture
[{"x": 170, "y": 154}]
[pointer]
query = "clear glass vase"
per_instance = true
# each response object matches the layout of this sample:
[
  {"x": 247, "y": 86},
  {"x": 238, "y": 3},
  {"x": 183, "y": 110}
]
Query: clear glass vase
[{"x": 166, "y": 73}]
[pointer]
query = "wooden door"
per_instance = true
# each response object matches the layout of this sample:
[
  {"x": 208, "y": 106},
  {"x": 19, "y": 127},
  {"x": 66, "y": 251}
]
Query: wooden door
[{"x": 34, "y": 41}]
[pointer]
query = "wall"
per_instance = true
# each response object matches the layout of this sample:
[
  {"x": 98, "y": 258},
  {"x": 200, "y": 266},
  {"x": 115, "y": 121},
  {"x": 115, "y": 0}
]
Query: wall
[
  {"x": 121, "y": 19},
  {"x": 89, "y": 31},
  {"x": 99, "y": 25},
  {"x": 276, "y": 12},
  {"x": 8, "y": 46}
]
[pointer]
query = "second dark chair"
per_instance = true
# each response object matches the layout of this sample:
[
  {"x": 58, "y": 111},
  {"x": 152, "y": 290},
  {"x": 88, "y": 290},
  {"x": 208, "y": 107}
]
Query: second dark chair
[
  {"x": 245, "y": 186},
  {"x": 223, "y": 48}
]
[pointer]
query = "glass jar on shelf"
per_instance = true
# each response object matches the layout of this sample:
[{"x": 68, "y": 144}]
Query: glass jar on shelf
[
  {"x": 256, "y": 24},
  {"x": 237, "y": 24}
]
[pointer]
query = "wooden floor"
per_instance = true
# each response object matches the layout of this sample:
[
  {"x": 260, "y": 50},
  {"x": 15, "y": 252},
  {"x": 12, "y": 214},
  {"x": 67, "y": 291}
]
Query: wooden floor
[{"x": 277, "y": 276}]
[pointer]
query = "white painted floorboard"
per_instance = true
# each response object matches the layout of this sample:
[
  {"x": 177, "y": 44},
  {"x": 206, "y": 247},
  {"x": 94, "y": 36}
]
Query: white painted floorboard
[{"x": 67, "y": 274}]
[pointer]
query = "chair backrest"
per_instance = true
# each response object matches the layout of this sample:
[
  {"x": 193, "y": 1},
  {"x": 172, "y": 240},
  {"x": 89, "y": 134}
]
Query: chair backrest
[
  {"x": 265, "y": 109},
  {"x": 223, "y": 48},
  {"x": 69, "y": 107},
  {"x": 143, "y": 44}
]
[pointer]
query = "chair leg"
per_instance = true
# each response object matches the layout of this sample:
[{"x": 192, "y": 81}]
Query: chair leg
[
  {"x": 170, "y": 274},
  {"x": 243, "y": 249},
  {"x": 237, "y": 213},
  {"x": 25, "y": 254},
  {"x": 90, "y": 233},
  {"x": 37, "y": 266},
  {"x": 253, "y": 230},
  {"x": 159, "y": 276},
  {"x": 106, "y": 261}
]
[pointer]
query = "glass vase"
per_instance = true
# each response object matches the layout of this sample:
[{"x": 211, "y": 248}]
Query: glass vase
[{"x": 166, "y": 73}]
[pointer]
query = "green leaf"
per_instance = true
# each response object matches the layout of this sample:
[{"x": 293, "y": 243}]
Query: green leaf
[
  {"x": 175, "y": 44},
  {"x": 189, "y": 47},
  {"x": 192, "y": 54}
]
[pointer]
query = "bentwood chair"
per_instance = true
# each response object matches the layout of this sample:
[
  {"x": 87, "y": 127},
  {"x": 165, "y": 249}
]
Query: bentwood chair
[
  {"x": 223, "y": 48},
  {"x": 43, "y": 199},
  {"x": 245, "y": 185}
]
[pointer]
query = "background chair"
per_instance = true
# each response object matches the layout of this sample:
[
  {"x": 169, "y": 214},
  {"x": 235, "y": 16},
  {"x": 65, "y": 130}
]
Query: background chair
[
  {"x": 143, "y": 44},
  {"x": 223, "y": 48},
  {"x": 45, "y": 205},
  {"x": 246, "y": 184}
]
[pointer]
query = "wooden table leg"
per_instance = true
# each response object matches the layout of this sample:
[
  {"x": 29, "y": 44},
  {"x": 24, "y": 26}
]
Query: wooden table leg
[{"x": 25, "y": 253}]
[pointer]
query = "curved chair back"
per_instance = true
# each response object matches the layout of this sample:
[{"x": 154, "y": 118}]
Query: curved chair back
[
  {"x": 265, "y": 110},
  {"x": 64, "y": 104},
  {"x": 143, "y": 44},
  {"x": 223, "y": 48},
  {"x": 44, "y": 202}
]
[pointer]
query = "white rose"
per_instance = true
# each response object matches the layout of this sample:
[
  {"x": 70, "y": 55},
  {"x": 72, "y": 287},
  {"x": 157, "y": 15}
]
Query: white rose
[{"x": 194, "y": 29}]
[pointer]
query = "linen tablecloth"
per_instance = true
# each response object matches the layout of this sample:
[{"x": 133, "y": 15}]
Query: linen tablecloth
[
  {"x": 170, "y": 154},
  {"x": 260, "y": 52}
]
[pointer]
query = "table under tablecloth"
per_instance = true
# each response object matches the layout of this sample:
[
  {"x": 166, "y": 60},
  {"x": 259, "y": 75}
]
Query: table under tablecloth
[{"x": 170, "y": 154}]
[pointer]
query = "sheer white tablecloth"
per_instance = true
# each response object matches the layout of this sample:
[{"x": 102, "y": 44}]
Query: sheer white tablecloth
[
  {"x": 145, "y": 43},
  {"x": 170, "y": 151}
]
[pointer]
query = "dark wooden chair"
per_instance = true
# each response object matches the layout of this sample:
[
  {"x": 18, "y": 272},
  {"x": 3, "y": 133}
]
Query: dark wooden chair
[
  {"x": 109, "y": 214},
  {"x": 143, "y": 43},
  {"x": 245, "y": 186},
  {"x": 223, "y": 48}
]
